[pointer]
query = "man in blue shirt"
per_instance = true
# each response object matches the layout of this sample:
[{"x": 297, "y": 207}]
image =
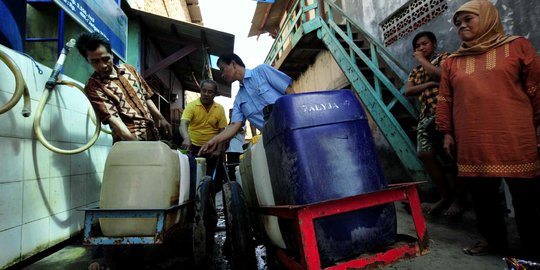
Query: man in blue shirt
[{"x": 259, "y": 87}]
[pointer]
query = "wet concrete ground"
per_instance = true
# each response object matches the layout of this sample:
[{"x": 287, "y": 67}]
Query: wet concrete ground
[{"x": 447, "y": 238}]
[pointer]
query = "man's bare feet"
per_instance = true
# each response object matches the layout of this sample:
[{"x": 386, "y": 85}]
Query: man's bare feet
[
  {"x": 437, "y": 207},
  {"x": 456, "y": 209},
  {"x": 97, "y": 266}
]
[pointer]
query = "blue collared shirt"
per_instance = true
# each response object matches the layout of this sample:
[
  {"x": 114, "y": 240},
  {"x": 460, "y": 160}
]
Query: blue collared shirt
[{"x": 261, "y": 86}]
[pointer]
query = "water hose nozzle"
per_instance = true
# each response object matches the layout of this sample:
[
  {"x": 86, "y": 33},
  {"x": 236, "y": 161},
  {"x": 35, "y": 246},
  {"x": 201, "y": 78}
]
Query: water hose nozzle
[{"x": 51, "y": 82}]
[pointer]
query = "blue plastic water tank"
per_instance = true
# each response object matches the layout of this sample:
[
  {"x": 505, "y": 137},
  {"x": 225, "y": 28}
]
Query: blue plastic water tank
[
  {"x": 319, "y": 147},
  {"x": 12, "y": 24}
]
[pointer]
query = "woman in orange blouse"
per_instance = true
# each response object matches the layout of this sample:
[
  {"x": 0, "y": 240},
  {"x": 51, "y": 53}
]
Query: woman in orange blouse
[{"x": 489, "y": 110}]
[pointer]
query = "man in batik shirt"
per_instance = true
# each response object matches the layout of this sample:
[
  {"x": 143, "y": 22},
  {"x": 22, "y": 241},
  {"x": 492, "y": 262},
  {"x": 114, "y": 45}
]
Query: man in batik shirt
[{"x": 119, "y": 95}]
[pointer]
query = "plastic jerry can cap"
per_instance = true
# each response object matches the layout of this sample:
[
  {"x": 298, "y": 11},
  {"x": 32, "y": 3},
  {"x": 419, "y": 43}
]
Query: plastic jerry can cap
[{"x": 267, "y": 110}]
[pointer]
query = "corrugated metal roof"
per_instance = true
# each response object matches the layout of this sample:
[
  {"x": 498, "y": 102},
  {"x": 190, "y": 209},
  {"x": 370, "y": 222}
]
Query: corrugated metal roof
[{"x": 169, "y": 36}]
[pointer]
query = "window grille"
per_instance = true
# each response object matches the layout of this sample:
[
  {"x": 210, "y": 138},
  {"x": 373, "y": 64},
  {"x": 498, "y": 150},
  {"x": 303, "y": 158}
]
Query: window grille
[{"x": 411, "y": 17}]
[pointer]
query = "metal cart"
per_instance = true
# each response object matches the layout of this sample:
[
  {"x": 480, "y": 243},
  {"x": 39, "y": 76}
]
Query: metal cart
[
  {"x": 199, "y": 222},
  {"x": 304, "y": 215}
]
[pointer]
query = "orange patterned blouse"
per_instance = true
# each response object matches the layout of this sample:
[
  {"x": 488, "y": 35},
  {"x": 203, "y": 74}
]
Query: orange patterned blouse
[{"x": 491, "y": 104}]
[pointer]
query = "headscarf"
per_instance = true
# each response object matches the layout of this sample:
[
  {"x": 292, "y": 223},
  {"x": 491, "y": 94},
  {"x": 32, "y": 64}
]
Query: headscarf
[{"x": 490, "y": 34}]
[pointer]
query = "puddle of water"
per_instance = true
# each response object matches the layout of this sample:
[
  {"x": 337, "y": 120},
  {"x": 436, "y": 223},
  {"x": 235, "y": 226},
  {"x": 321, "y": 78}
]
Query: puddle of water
[
  {"x": 260, "y": 252},
  {"x": 220, "y": 261}
]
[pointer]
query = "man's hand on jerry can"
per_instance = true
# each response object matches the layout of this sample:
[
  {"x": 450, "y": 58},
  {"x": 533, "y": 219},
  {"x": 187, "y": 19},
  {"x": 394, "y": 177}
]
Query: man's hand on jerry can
[
  {"x": 186, "y": 144},
  {"x": 208, "y": 147},
  {"x": 166, "y": 128}
]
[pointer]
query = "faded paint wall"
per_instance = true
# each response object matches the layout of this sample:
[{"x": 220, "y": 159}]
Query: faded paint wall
[
  {"x": 323, "y": 74},
  {"x": 43, "y": 23},
  {"x": 520, "y": 17},
  {"x": 134, "y": 44},
  {"x": 369, "y": 13}
]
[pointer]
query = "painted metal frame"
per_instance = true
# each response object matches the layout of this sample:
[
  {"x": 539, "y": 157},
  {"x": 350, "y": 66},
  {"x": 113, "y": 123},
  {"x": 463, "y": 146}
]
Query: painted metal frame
[
  {"x": 61, "y": 20},
  {"x": 61, "y": 25},
  {"x": 90, "y": 237},
  {"x": 304, "y": 215}
]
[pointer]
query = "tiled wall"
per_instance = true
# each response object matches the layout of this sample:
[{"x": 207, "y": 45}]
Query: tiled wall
[{"x": 40, "y": 191}]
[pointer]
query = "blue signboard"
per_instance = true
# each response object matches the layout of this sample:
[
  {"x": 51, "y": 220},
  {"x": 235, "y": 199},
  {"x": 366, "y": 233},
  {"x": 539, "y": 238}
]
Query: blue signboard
[{"x": 103, "y": 16}]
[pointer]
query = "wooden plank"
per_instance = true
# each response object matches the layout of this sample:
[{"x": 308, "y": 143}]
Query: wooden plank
[{"x": 171, "y": 59}]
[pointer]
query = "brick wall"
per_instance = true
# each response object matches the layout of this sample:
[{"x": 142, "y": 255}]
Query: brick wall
[{"x": 174, "y": 9}]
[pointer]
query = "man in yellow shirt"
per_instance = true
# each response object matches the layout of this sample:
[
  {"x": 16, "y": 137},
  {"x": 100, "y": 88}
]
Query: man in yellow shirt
[{"x": 201, "y": 121}]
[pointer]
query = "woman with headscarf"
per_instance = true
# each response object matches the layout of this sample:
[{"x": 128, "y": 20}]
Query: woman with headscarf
[{"x": 489, "y": 111}]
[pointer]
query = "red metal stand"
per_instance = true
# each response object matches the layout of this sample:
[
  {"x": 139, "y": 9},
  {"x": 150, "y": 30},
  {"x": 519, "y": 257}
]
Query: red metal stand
[{"x": 303, "y": 215}]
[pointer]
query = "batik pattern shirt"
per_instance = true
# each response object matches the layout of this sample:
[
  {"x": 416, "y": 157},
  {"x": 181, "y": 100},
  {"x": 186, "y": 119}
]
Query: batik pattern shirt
[
  {"x": 428, "y": 97},
  {"x": 123, "y": 95}
]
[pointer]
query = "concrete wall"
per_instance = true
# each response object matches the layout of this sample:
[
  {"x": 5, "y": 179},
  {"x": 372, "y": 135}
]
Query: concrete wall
[
  {"x": 520, "y": 17},
  {"x": 42, "y": 23},
  {"x": 40, "y": 191}
]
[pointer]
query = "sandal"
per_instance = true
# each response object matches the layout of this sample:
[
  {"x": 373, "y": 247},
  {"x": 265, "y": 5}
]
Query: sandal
[{"x": 478, "y": 249}]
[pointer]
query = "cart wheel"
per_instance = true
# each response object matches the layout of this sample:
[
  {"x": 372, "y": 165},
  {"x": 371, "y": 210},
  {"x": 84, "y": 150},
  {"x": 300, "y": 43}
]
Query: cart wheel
[
  {"x": 272, "y": 262},
  {"x": 239, "y": 234},
  {"x": 204, "y": 223}
]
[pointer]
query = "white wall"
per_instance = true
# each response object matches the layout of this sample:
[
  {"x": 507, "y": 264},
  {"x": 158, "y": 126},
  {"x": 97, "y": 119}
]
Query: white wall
[{"x": 40, "y": 191}]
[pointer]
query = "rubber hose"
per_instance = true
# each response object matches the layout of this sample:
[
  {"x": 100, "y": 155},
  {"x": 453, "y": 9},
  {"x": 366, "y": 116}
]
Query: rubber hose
[
  {"x": 37, "y": 124},
  {"x": 20, "y": 87},
  {"x": 92, "y": 115}
]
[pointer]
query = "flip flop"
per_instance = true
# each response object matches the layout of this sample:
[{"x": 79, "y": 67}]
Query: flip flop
[{"x": 478, "y": 249}]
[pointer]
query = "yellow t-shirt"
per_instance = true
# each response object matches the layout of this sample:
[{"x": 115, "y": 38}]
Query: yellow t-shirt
[{"x": 204, "y": 125}]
